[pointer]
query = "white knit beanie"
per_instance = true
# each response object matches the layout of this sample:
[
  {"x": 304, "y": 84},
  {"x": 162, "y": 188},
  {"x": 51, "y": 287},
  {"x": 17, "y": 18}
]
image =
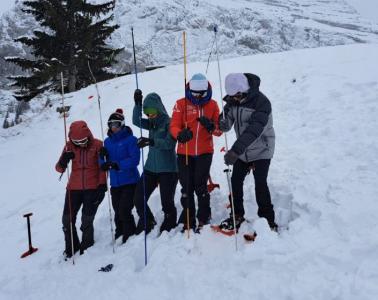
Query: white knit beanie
[
  {"x": 236, "y": 83},
  {"x": 198, "y": 82}
]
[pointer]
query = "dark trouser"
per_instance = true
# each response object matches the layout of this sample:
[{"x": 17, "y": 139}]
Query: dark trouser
[
  {"x": 90, "y": 199},
  {"x": 260, "y": 173},
  {"x": 122, "y": 201},
  {"x": 167, "y": 183},
  {"x": 193, "y": 179}
]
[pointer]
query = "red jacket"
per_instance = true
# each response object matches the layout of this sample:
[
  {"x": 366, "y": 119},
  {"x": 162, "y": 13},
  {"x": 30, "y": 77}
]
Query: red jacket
[
  {"x": 202, "y": 141},
  {"x": 86, "y": 173}
]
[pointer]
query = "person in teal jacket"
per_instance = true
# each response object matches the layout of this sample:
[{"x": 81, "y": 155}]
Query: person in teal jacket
[{"x": 161, "y": 165}]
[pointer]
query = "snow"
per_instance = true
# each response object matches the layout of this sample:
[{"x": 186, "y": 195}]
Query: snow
[
  {"x": 6, "y": 5},
  {"x": 322, "y": 179},
  {"x": 367, "y": 8}
]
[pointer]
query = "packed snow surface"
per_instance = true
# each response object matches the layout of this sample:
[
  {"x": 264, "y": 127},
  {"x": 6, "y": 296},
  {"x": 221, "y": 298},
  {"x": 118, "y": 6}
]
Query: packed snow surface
[{"x": 323, "y": 181}]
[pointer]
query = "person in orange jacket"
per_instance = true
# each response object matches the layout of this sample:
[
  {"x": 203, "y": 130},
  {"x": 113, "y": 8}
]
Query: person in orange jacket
[{"x": 194, "y": 122}]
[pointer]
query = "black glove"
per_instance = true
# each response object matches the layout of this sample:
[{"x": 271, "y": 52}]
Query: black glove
[
  {"x": 184, "y": 135},
  {"x": 230, "y": 157},
  {"x": 222, "y": 123},
  {"x": 207, "y": 123},
  {"x": 109, "y": 165},
  {"x": 103, "y": 153},
  {"x": 138, "y": 97},
  {"x": 143, "y": 142},
  {"x": 65, "y": 159}
]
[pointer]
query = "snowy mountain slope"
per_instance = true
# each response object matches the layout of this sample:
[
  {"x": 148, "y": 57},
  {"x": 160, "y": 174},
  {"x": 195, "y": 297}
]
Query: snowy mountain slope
[
  {"x": 322, "y": 179},
  {"x": 245, "y": 27}
]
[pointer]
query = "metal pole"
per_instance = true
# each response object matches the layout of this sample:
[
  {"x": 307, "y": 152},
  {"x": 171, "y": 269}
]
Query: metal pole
[
  {"x": 228, "y": 170},
  {"x": 106, "y": 173},
  {"x": 141, "y": 149},
  {"x": 186, "y": 143},
  {"x": 68, "y": 171}
]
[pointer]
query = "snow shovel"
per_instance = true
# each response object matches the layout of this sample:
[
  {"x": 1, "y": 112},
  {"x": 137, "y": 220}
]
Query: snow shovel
[{"x": 31, "y": 249}]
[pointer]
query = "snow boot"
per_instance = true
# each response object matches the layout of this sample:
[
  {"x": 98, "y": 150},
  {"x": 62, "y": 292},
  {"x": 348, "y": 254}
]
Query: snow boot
[
  {"x": 273, "y": 226},
  {"x": 150, "y": 224},
  {"x": 67, "y": 237},
  {"x": 201, "y": 224},
  {"x": 183, "y": 220},
  {"x": 228, "y": 224},
  {"x": 169, "y": 222}
]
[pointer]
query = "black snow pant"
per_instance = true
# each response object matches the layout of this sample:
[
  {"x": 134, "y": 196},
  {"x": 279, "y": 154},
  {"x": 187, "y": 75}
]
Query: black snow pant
[
  {"x": 90, "y": 199},
  {"x": 193, "y": 179},
  {"x": 167, "y": 182},
  {"x": 122, "y": 201},
  {"x": 260, "y": 170}
]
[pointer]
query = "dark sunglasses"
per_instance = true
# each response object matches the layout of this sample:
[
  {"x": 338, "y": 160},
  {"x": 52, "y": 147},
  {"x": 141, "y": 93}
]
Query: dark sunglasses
[
  {"x": 198, "y": 93},
  {"x": 116, "y": 124},
  {"x": 239, "y": 96}
]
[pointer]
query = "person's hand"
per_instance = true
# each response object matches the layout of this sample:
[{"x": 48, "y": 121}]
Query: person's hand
[
  {"x": 207, "y": 123},
  {"x": 109, "y": 165},
  {"x": 222, "y": 123},
  {"x": 68, "y": 155},
  {"x": 144, "y": 141},
  {"x": 184, "y": 135},
  {"x": 114, "y": 166},
  {"x": 103, "y": 153},
  {"x": 65, "y": 159},
  {"x": 230, "y": 157},
  {"x": 138, "y": 97}
]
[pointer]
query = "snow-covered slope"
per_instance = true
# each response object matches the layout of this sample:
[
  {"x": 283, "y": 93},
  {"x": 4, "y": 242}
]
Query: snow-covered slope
[
  {"x": 245, "y": 27},
  {"x": 323, "y": 183}
]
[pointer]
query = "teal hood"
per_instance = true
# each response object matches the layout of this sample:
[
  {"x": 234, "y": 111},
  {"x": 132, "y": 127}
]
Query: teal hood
[{"x": 153, "y": 100}]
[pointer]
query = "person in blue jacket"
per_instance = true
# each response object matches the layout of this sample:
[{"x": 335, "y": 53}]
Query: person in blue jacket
[{"x": 120, "y": 156}]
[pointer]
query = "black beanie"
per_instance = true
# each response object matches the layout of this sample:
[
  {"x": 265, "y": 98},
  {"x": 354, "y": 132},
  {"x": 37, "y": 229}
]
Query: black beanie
[{"x": 117, "y": 116}]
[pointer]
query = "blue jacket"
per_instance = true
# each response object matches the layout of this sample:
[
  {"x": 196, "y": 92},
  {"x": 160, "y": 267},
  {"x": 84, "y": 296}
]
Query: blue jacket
[{"x": 122, "y": 148}]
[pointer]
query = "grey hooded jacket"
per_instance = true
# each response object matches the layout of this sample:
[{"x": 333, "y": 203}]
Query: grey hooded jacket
[{"x": 253, "y": 123}]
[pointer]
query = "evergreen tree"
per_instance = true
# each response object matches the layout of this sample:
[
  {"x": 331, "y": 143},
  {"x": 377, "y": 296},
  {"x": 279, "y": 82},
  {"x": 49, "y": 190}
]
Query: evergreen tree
[{"x": 73, "y": 34}]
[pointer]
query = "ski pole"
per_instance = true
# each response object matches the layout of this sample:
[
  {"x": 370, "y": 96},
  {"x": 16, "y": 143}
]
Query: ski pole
[
  {"x": 211, "y": 52},
  {"x": 142, "y": 152},
  {"x": 31, "y": 249},
  {"x": 106, "y": 173},
  {"x": 186, "y": 143},
  {"x": 228, "y": 170},
  {"x": 68, "y": 173}
]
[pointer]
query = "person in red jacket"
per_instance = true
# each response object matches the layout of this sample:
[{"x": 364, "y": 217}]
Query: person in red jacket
[
  {"x": 194, "y": 122},
  {"x": 86, "y": 186}
]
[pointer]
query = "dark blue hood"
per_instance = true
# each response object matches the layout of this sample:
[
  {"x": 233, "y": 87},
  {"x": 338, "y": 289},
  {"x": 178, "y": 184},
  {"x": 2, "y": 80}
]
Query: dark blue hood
[{"x": 196, "y": 101}]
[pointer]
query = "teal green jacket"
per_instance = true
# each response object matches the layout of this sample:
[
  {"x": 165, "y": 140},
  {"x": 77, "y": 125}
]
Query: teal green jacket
[{"x": 162, "y": 155}]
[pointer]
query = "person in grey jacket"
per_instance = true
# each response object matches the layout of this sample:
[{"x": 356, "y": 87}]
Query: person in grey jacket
[{"x": 249, "y": 111}]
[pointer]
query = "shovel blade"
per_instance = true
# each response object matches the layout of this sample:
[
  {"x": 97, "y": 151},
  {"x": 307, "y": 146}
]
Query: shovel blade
[{"x": 29, "y": 252}]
